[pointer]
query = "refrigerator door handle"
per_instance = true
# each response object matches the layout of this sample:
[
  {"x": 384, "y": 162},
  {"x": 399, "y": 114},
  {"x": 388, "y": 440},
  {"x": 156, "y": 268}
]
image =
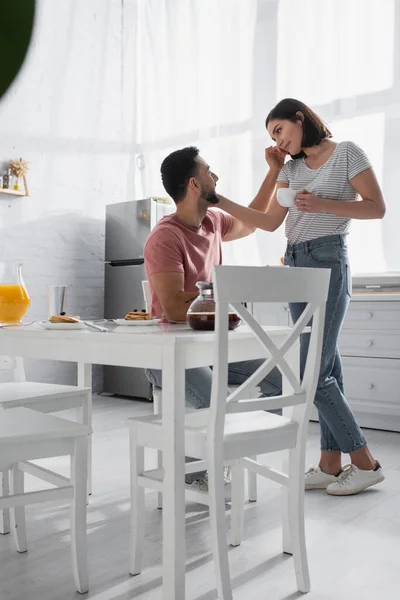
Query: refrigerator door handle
[{"x": 131, "y": 262}]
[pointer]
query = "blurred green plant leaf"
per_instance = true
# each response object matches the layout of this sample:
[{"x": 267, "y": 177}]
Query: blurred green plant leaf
[{"x": 16, "y": 24}]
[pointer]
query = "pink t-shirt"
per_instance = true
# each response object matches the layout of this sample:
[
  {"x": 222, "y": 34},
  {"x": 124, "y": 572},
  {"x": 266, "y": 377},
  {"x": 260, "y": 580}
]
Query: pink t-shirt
[{"x": 175, "y": 247}]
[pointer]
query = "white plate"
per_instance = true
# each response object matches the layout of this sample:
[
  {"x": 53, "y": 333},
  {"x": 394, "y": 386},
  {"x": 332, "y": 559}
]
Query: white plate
[
  {"x": 130, "y": 323},
  {"x": 48, "y": 325}
]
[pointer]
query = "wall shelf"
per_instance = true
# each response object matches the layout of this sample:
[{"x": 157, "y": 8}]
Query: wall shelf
[{"x": 12, "y": 192}]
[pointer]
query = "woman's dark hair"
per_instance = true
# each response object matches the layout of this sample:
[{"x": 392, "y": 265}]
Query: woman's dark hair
[
  {"x": 176, "y": 170},
  {"x": 314, "y": 129}
]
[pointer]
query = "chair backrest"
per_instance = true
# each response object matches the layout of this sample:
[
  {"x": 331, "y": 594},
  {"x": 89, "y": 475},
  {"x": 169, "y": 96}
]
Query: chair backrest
[
  {"x": 147, "y": 295},
  {"x": 232, "y": 287},
  {"x": 14, "y": 364}
]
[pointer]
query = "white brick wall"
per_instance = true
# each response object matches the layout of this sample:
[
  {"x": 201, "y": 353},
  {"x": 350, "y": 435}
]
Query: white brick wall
[{"x": 71, "y": 114}]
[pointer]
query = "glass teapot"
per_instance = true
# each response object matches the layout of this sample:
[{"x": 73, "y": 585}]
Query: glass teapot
[
  {"x": 201, "y": 313},
  {"x": 14, "y": 298}
]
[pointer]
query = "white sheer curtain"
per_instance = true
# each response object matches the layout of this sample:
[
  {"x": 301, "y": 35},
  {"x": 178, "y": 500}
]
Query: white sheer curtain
[
  {"x": 196, "y": 86},
  {"x": 208, "y": 72},
  {"x": 340, "y": 57}
]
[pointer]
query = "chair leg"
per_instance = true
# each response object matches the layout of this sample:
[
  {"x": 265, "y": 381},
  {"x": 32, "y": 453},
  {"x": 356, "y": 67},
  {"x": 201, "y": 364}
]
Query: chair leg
[
  {"x": 137, "y": 506},
  {"x": 157, "y": 406},
  {"x": 237, "y": 504},
  {"x": 5, "y": 512},
  {"x": 218, "y": 528},
  {"x": 286, "y": 535},
  {"x": 252, "y": 483},
  {"x": 79, "y": 475},
  {"x": 159, "y": 466},
  {"x": 90, "y": 459},
  {"x": 296, "y": 520},
  {"x": 251, "y": 476},
  {"x": 18, "y": 523}
]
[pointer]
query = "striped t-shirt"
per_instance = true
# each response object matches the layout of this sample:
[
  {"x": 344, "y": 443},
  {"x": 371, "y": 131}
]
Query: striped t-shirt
[{"x": 331, "y": 181}]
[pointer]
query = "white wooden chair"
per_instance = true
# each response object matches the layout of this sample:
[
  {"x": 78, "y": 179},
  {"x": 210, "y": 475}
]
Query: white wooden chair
[
  {"x": 29, "y": 435},
  {"x": 230, "y": 431},
  {"x": 46, "y": 398},
  {"x": 157, "y": 406}
]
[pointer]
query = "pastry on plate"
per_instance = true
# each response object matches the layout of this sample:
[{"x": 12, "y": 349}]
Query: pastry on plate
[
  {"x": 137, "y": 315},
  {"x": 64, "y": 319}
]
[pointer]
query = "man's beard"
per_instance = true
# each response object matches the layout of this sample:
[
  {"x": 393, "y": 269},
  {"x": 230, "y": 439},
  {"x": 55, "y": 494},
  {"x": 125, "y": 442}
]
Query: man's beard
[{"x": 209, "y": 196}]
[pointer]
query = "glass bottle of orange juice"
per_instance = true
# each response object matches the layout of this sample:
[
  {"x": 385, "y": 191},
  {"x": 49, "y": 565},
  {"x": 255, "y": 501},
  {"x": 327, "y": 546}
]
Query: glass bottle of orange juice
[{"x": 14, "y": 298}]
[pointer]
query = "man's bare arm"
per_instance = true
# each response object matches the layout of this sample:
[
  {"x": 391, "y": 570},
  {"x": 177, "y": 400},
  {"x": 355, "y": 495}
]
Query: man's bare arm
[{"x": 169, "y": 288}]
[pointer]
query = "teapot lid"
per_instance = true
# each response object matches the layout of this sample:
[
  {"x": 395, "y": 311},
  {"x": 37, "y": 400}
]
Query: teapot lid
[{"x": 204, "y": 285}]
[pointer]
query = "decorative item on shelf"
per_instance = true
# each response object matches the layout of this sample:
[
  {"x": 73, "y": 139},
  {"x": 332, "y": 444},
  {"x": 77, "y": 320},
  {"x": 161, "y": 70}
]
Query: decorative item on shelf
[
  {"x": 19, "y": 168},
  {"x": 7, "y": 179}
]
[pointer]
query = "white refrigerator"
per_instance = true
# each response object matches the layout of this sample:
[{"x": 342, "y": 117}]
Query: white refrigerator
[{"x": 127, "y": 226}]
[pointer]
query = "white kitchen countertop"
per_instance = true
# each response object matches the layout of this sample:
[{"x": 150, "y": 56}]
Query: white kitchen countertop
[{"x": 375, "y": 297}]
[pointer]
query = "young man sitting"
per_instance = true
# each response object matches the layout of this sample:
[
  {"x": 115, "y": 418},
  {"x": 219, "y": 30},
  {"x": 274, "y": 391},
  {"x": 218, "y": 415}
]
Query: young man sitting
[{"x": 183, "y": 248}]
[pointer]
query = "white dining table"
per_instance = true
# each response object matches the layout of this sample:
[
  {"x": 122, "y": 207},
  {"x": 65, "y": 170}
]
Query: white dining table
[{"x": 171, "y": 348}]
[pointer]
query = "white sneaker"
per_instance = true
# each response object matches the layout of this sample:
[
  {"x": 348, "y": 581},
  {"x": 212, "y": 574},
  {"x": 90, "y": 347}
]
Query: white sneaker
[
  {"x": 353, "y": 480},
  {"x": 201, "y": 485},
  {"x": 315, "y": 479}
]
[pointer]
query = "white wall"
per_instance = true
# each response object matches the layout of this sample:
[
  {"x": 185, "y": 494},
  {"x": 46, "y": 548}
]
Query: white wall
[{"x": 70, "y": 113}]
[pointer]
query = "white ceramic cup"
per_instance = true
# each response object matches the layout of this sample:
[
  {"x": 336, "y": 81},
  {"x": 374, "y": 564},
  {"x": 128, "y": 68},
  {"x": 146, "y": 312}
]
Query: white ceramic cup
[{"x": 286, "y": 197}]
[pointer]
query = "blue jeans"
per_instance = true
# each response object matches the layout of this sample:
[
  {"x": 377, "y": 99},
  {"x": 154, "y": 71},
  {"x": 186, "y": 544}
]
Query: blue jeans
[
  {"x": 339, "y": 428},
  {"x": 198, "y": 387}
]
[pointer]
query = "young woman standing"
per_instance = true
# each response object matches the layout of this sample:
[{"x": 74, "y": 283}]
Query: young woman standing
[{"x": 329, "y": 178}]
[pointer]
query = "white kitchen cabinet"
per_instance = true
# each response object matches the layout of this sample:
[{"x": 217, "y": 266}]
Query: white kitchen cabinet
[
  {"x": 271, "y": 313},
  {"x": 372, "y": 388},
  {"x": 370, "y": 348}
]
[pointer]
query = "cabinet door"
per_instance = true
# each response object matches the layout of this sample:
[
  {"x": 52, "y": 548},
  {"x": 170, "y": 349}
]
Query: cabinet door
[
  {"x": 271, "y": 313},
  {"x": 372, "y": 388},
  {"x": 375, "y": 382},
  {"x": 373, "y": 315},
  {"x": 370, "y": 343}
]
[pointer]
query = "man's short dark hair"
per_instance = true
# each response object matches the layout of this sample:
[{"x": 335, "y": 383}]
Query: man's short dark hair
[
  {"x": 176, "y": 170},
  {"x": 314, "y": 129}
]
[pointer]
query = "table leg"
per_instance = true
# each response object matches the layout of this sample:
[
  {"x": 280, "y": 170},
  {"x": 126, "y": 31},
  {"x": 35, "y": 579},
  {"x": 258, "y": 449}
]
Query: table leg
[
  {"x": 85, "y": 380},
  {"x": 173, "y": 416}
]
